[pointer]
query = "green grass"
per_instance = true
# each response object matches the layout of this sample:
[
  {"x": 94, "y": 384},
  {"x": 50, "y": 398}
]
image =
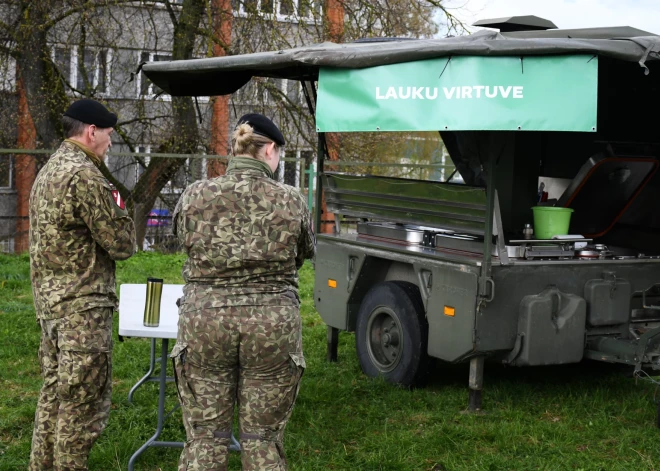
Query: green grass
[{"x": 579, "y": 417}]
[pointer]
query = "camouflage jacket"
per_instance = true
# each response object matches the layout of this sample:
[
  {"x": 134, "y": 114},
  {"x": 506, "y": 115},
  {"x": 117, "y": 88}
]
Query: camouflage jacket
[
  {"x": 244, "y": 232},
  {"x": 76, "y": 232}
]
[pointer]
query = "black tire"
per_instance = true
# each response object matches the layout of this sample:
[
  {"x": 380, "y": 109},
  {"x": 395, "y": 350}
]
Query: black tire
[{"x": 391, "y": 335}]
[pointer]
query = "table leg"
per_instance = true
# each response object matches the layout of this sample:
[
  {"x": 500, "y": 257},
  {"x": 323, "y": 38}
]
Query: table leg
[
  {"x": 161, "y": 410},
  {"x": 163, "y": 379},
  {"x": 147, "y": 377}
]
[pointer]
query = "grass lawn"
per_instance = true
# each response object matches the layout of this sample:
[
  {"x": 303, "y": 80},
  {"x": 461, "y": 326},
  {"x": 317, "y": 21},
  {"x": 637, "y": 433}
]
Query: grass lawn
[{"x": 578, "y": 417}]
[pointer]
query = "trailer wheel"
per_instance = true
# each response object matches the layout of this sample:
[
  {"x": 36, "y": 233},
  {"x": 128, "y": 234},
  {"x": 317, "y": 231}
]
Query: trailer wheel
[{"x": 391, "y": 335}]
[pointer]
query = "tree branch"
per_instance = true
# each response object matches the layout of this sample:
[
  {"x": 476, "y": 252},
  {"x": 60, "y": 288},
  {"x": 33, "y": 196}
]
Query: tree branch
[
  {"x": 209, "y": 35},
  {"x": 87, "y": 6},
  {"x": 142, "y": 119},
  {"x": 454, "y": 24},
  {"x": 170, "y": 10}
]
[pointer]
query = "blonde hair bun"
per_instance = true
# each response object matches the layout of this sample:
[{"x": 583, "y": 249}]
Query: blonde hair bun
[{"x": 244, "y": 141}]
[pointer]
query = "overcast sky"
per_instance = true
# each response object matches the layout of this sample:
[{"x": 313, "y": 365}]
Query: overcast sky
[{"x": 641, "y": 14}]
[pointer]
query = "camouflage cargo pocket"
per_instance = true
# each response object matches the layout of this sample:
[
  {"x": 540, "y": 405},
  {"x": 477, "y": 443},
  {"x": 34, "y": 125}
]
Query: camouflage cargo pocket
[
  {"x": 86, "y": 331},
  {"x": 297, "y": 366},
  {"x": 83, "y": 362},
  {"x": 82, "y": 377},
  {"x": 178, "y": 357}
]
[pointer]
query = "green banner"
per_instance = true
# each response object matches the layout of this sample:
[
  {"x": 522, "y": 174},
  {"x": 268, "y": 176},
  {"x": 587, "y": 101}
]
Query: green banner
[{"x": 541, "y": 93}]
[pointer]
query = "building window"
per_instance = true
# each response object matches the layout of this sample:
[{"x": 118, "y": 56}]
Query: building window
[
  {"x": 7, "y": 74},
  {"x": 246, "y": 95},
  {"x": 261, "y": 91},
  {"x": 293, "y": 90},
  {"x": 294, "y": 168},
  {"x": 283, "y": 9},
  {"x": 62, "y": 59},
  {"x": 142, "y": 161},
  {"x": 87, "y": 70},
  {"x": 7, "y": 245},
  {"x": 286, "y": 7},
  {"x": 272, "y": 90},
  {"x": 309, "y": 8},
  {"x": 92, "y": 71},
  {"x": 146, "y": 88},
  {"x": 6, "y": 171}
]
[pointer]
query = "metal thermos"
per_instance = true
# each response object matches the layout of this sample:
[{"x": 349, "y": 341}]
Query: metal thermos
[{"x": 152, "y": 302}]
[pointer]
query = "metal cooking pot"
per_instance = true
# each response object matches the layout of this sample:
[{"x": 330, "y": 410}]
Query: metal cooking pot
[{"x": 588, "y": 254}]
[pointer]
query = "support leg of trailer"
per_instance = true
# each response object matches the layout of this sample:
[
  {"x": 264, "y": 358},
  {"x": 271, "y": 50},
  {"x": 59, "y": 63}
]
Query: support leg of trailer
[
  {"x": 333, "y": 341},
  {"x": 476, "y": 383}
]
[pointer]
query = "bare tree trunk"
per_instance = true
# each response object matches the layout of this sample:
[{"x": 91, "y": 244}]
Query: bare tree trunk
[
  {"x": 45, "y": 94},
  {"x": 222, "y": 25},
  {"x": 334, "y": 13},
  {"x": 26, "y": 170},
  {"x": 185, "y": 134},
  {"x": 38, "y": 103}
]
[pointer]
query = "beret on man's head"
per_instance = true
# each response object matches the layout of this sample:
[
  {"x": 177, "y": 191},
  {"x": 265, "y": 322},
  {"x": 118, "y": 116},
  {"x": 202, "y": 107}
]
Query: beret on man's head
[
  {"x": 91, "y": 112},
  {"x": 263, "y": 126}
]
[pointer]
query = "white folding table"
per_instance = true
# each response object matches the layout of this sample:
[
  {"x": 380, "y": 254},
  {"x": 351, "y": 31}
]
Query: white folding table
[{"x": 131, "y": 314}]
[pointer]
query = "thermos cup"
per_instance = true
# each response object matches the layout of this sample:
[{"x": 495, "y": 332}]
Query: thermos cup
[{"x": 152, "y": 302}]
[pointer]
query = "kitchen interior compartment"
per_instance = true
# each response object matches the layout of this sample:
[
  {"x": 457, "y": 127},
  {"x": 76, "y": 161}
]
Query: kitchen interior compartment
[
  {"x": 603, "y": 189},
  {"x": 430, "y": 214}
]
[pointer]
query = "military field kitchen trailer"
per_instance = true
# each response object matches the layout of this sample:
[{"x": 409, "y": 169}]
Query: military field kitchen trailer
[{"x": 438, "y": 270}]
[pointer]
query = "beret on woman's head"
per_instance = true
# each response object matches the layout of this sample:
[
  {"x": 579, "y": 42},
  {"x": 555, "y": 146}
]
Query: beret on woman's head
[{"x": 263, "y": 126}]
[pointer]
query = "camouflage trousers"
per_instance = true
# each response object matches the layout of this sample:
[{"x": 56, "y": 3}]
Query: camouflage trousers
[
  {"x": 250, "y": 356},
  {"x": 73, "y": 407}
]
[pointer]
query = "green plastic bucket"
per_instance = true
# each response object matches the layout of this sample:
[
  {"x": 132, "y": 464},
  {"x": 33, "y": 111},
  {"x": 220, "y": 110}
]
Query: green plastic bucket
[{"x": 550, "y": 221}]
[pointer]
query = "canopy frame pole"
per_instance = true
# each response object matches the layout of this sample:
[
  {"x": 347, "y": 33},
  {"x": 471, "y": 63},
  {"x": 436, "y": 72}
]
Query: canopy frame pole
[
  {"x": 320, "y": 159},
  {"x": 484, "y": 279},
  {"x": 321, "y": 150}
]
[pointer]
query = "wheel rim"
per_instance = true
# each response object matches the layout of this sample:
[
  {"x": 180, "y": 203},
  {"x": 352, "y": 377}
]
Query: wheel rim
[{"x": 384, "y": 339}]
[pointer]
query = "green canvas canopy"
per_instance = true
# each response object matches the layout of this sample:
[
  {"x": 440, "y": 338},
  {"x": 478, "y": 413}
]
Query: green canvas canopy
[{"x": 225, "y": 75}]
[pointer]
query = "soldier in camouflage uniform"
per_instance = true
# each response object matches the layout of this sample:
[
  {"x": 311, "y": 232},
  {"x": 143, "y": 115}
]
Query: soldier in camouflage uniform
[
  {"x": 239, "y": 337},
  {"x": 77, "y": 230}
]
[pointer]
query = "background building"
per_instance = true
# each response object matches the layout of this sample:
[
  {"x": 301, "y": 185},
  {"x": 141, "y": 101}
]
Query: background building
[{"x": 95, "y": 50}]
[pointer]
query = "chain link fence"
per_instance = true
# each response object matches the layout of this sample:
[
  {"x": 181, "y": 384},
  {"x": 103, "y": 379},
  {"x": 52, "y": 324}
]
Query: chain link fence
[{"x": 150, "y": 185}]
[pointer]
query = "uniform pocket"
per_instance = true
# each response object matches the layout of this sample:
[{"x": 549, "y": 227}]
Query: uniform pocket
[
  {"x": 299, "y": 361},
  {"x": 87, "y": 331},
  {"x": 183, "y": 389},
  {"x": 298, "y": 366},
  {"x": 84, "y": 341},
  {"x": 82, "y": 377}
]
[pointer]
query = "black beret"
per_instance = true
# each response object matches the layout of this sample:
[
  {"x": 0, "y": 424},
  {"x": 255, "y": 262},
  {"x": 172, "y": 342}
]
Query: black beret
[
  {"x": 263, "y": 126},
  {"x": 91, "y": 112}
]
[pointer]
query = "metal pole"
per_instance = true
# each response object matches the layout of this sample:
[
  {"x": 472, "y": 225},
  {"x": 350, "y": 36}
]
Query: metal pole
[
  {"x": 320, "y": 158},
  {"x": 488, "y": 226},
  {"x": 147, "y": 377},
  {"x": 161, "y": 411},
  {"x": 476, "y": 383},
  {"x": 333, "y": 341},
  {"x": 310, "y": 186}
]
